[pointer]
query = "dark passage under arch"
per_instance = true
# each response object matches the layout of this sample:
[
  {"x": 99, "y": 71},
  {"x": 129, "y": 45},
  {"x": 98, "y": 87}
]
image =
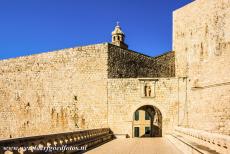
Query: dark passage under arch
[{"x": 147, "y": 122}]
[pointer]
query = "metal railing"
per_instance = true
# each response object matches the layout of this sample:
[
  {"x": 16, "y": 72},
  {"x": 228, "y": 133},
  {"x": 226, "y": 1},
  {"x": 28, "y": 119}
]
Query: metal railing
[{"x": 70, "y": 142}]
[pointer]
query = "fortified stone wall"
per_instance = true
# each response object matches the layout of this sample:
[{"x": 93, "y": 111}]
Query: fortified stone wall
[
  {"x": 129, "y": 64},
  {"x": 67, "y": 90},
  {"x": 201, "y": 41},
  {"x": 124, "y": 97},
  {"x": 164, "y": 65},
  {"x": 54, "y": 92}
]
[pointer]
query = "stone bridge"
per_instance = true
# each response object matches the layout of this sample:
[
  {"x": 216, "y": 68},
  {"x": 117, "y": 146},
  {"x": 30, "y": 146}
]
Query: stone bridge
[
  {"x": 103, "y": 141},
  {"x": 109, "y": 99}
]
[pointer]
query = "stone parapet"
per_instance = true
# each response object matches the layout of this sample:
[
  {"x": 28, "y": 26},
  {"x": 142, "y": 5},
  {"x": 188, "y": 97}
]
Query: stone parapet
[
  {"x": 214, "y": 141},
  {"x": 82, "y": 140}
]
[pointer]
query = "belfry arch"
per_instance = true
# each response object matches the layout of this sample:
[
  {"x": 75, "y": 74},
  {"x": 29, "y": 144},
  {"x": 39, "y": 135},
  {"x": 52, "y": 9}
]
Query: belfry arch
[{"x": 147, "y": 122}]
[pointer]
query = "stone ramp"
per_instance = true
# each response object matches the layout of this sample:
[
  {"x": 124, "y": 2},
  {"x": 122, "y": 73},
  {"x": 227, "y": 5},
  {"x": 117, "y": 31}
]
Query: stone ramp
[{"x": 137, "y": 146}]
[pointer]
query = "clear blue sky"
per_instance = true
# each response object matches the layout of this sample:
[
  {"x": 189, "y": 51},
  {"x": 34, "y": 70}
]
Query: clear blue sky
[{"x": 35, "y": 26}]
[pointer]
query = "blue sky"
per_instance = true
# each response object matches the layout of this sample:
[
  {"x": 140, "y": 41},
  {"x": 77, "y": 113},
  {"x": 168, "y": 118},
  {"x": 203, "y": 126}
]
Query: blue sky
[{"x": 35, "y": 26}]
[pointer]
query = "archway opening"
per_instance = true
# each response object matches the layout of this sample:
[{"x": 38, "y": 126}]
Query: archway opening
[{"x": 147, "y": 122}]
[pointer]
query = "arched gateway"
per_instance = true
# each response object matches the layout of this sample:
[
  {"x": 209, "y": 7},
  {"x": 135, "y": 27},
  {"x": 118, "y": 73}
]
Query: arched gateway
[{"x": 147, "y": 122}]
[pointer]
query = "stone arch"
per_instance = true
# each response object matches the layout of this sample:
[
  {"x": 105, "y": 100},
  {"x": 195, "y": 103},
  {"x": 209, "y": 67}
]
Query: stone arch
[
  {"x": 118, "y": 38},
  {"x": 135, "y": 107},
  {"x": 151, "y": 127}
]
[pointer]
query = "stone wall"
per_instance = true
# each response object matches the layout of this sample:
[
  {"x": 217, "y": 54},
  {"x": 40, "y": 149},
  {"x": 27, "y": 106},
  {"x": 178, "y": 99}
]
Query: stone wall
[
  {"x": 164, "y": 65},
  {"x": 129, "y": 64},
  {"x": 67, "y": 90},
  {"x": 201, "y": 41},
  {"x": 54, "y": 92},
  {"x": 124, "y": 97}
]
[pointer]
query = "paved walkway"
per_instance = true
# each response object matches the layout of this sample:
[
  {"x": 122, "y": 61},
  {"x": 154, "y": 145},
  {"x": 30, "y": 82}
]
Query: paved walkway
[{"x": 137, "y": 146}]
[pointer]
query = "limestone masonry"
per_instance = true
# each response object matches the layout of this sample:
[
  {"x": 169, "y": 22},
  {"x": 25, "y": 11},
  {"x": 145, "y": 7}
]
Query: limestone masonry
[{"x": 103, "y": 85}]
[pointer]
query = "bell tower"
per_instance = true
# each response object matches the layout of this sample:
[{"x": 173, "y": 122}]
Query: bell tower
[{"x": 118, "y": 37}]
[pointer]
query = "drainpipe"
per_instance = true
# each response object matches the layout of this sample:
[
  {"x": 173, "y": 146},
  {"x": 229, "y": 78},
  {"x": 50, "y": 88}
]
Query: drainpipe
[{"x": 186, "y": 100}]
